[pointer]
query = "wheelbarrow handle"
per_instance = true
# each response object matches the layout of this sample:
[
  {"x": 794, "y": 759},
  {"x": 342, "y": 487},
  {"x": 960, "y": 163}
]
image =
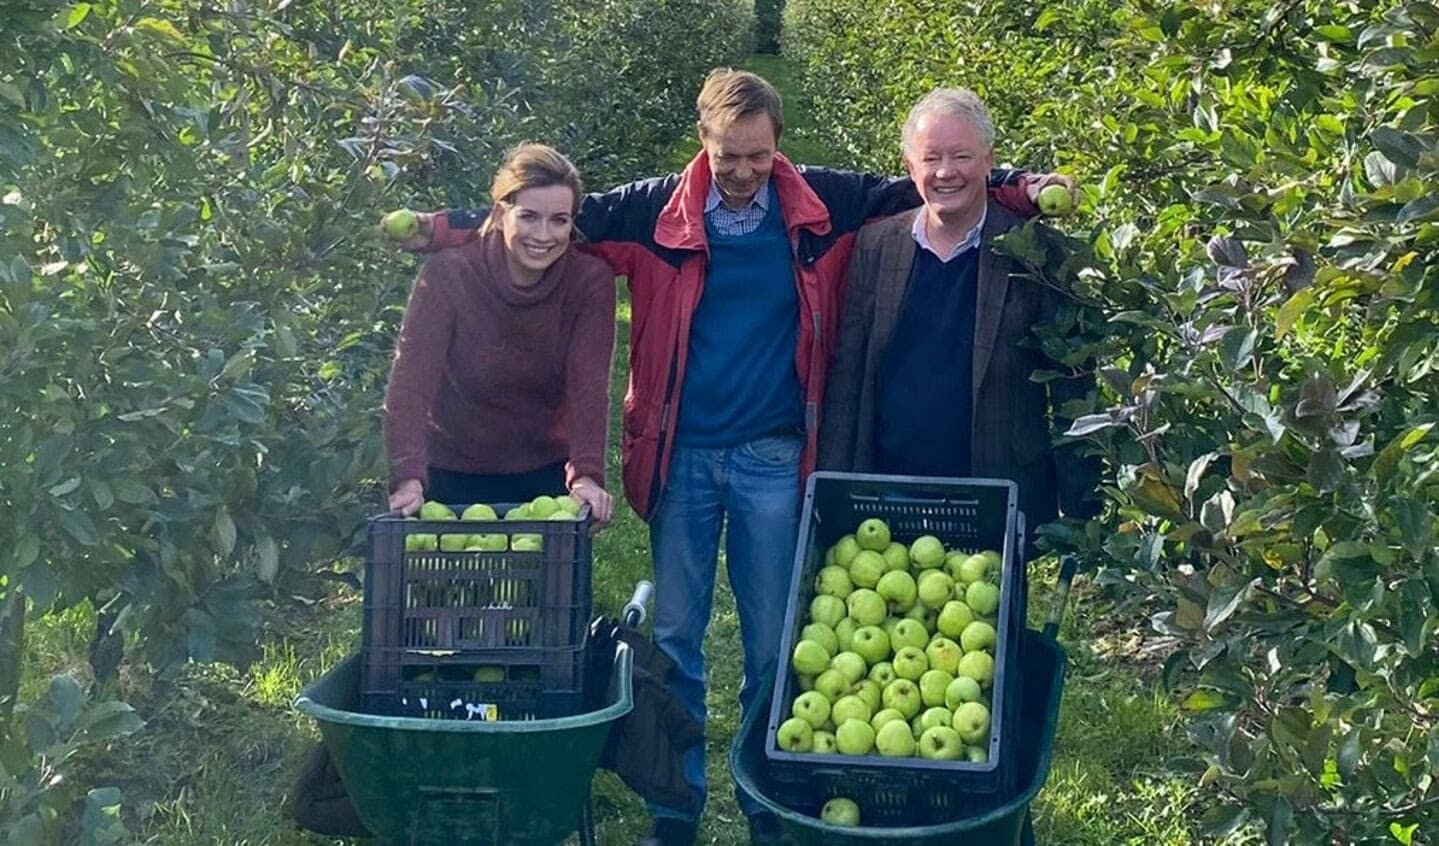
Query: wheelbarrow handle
[
  {"x": 1068, "y": 564},
  {"x": 637, "y": 608}
]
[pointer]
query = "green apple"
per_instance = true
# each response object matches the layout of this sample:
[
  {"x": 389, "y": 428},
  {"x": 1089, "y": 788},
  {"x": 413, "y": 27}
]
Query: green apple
[
  {"x": 851, "y": 665},
  {"x": 527, "y": 543},
  {"x": 935, "y": 716},
  {"x": 889, "y": 625},
  {"x": 935, "y": 588},
  {"x": 850, "y": 708},
  {"x": 866, "y": 607},
  {"x": 953, "y": 617},
  {"x": 903, "y": 696},
  {"x": 883, "y": 673},
  {"x": 871, "y": 644},
  {"x": 811, "y": 707},
  {"x": 431, "y": 510},
  {"x": 870, "y": 691},
  {"x": 925, "y": 616},
  {"x": 943, "y": 654},
  {"x": 910, "y": 663},
  {"x": 926, "y": 552},
  {"x": 885, "y": 715},
  {"x": 519, "y": 512},
  {"x": 823, "y": 743},
  {"x": 978, "y": 635},
  {"x": 569, "y": 504},
  {"x": 1054, "y": 201},
  {"x": 872, "y": 534},
  {"x": 896, "y": 557},
  {"x": 844, "y": 551},
  {"x": 806, "y": 683},
  {"x": 542, "y": 506},
  {"x": 823, "y": 635},
  {"x": 400, "y": 225},
  {"x": 982, "y": 598},
  {"x": 453, "y": 543},
  {"x": 809, "y": 658},
  {"x": 971, "y": 569},
  {"x": 796, "y": 735},
  {"x": 479, "y": 511},
  {"x": 963, "y": 689},
  {"x": 488, "y": 543},
  {"x": 561, "y": 514},
  {"x": 932, "y": 686},
  {"x": 833, "y": 581},
  {"x": 854, "y": 737},
  {"x": 866, "y": 568},
  {"x": 897, "y": 587},
  {"x": 941, "y": 743},
  {"x": 978, "y": 666},
  {"x": 952, "y": 560},
  {"x": 832, "y": 684},
  {"x": 844, "y": 633},
  {"x": 895, "y": 740},
  {"x": 489, "y": 674},
  {"x": 422, "y": 542},
  {"x": 826, "y": 609},
  {"x": 840, "y": 811},
  {"x": 976, "y": 754},
  {"x": 971, "y": 720},
  {"x": 996, "y": 562},
  {"x": 908, "y": 632}
]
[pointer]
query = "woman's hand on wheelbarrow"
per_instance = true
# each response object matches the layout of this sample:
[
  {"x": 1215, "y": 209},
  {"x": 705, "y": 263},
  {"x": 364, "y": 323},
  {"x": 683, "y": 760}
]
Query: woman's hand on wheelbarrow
[
  {"x": 602, "y": 505},
  {"x": 407, "y": 497}
]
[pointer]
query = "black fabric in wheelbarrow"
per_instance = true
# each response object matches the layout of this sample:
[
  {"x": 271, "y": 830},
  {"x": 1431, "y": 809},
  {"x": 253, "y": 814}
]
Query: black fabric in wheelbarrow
[{"x": 646, "y": 747}]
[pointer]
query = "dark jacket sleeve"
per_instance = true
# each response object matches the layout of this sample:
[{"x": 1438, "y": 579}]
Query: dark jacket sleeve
[
  {"x": 618, "y": 225},
  {"x": 838, "y": 428},
  {"x": 854, "y": 199}
]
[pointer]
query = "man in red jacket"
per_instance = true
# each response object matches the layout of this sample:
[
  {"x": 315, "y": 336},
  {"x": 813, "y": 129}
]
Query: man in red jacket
[{"x": 736, "y": 268}]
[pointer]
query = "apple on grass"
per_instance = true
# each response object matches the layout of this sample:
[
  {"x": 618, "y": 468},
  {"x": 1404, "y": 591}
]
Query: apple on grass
[
  {"x": 898, "y": 589},
  {"x": 910, "y": 663},
  {"x": 941, "y": 743},
  {"x": 850, "y": 708},
  {"x": 903, "y": 696},
  {"x": 854, "y": 737},
  {"x": 872, "y": 534},
  {"x": 851, "y": 665},
  {"x": 871, "y": 644},
  {"x": 827, "y": 609},
  {"x": 812, "y": 707},
  {"x": 943, "y": 654},
  {"x": 840, "y": 811},
  {"x": 932, "y": 686},
  {"x": 823, "y": 743},
  {"x": 833, "y": 581},
  {"x": 796, "y": 735},
  {"x": 953, "y": 617},
  {"x": 963, "y": 689},
  {"x": 910, "y": 633},
  {"x": 978, "y": 666},
  {"x": 809, "y": 658},
  {"x": 866, "y": 607},
  {"x": 971, "y": 720},
  {"x": 895, "y": 740},
  {"x": 866, "y": 568},
  {"x": 978, "y": 636},
  {"x": 926, "y": 552},
  {"x": 823, "y": 635}
]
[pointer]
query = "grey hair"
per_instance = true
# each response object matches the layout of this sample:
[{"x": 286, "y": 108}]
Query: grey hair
[{"x": 956, "y": 102}]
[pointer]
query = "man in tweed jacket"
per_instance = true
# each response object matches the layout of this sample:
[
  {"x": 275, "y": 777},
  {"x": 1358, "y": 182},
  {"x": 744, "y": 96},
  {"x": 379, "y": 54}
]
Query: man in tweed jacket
[{"x": 932, "y": 375}]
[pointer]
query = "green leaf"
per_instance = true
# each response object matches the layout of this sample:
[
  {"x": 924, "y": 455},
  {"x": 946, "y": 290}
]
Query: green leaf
[
  {"x": 1203, "y": 699},
  {"x": 1220, "y": 821},
  {"x": 1224, "y": 601},
  {"x": 76, "y": 15},
  {"x": 1281, "y": 822},
  {"x": 1291, "y": 311},
  {"x": 1388, "y": 458},
  {"x": 224, "y": 532},
  {"x": 1326, "y": 470},
  {"x": 267, "y": 555},
  {"x": 1400, "y": 147},
  {"x": 1237, "y": 347},
  {"x": 27, "y": 831},
  {"x": 65, "y": 487},
  {"x": 65, "y": 698},
  {"x": 26, "y": 551},
  {"x": 160, "y": 27},
  {"x": 1416, "y": 528},
  {"x": 77, "y": 524},
  {"x": 1346, "y": 759},
  {"x": 109, "y": 720}
]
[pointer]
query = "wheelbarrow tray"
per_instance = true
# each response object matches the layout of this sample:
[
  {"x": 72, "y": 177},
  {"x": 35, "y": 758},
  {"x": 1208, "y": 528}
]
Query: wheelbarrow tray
[
  {"x": 419, "y": 781},
  {"x": 1042, "y": 668}
]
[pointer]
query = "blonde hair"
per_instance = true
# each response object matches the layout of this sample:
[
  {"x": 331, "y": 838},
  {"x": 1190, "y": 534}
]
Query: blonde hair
[
  {"x": 531, "y": 166},
  {"x": 729, "y": 95}
]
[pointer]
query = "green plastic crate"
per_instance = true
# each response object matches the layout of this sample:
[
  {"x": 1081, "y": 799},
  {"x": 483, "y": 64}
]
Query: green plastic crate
[{"x": 427, "y": 782}]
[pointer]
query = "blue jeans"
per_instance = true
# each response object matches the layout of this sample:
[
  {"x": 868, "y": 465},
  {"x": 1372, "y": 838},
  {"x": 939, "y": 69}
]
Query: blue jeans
[{"x": 753, "y": 490}]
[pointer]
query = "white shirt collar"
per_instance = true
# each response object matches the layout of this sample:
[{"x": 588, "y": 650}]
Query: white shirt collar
[
  {"x": 761, "y": 197},
  {"x": 971, "y": 240}
]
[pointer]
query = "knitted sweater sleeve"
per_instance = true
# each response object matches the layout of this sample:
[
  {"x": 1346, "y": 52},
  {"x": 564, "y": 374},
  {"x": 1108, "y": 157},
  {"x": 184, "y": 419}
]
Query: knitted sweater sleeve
[
  {"x": 587, "y": 373},
  {"x": 417, "y": 371}
]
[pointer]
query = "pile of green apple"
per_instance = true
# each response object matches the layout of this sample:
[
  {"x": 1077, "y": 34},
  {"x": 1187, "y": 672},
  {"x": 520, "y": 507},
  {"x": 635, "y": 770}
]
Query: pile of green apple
[
  {"x": 542, "y": 507},
  {"x": 897, "y": 654}
]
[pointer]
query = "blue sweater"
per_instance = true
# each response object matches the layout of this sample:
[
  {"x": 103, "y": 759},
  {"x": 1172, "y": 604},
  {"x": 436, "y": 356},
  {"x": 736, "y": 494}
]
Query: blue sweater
[
  {"x": 926, "y": 377},
  {"x": 740, "y": 382}
]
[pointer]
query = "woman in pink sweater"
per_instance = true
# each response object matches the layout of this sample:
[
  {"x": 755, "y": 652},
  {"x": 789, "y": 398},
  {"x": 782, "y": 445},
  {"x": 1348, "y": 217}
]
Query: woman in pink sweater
[{"x": 499, "y": 391}]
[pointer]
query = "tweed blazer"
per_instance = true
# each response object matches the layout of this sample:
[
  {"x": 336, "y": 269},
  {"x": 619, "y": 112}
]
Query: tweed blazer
[{"x": 1014, "y": 416}]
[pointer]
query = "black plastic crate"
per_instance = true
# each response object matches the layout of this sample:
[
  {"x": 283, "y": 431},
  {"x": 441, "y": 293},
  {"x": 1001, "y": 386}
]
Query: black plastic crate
[
  {"x": 434, "y": 609},
  {"x": 525, "y": 685},
  {"x": 968, "y": 514}
]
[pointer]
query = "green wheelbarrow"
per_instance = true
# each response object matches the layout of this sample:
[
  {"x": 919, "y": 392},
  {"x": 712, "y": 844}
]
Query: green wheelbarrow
[
  {"x": 427, "y": 782},
  {"x": 1004, "y": 822}
]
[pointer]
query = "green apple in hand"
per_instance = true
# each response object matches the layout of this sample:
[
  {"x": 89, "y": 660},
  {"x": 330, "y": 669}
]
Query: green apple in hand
[
  {"x": 941, "y": 743},
  {"x": 1054, "y": 201},
  {"x": 840, "y": 811},
  {"x": 895, "y": 740},
  {"x": 809, "y": 658},
  {"x": 854, "y": 737},
  {"x": 796, "y": 735},
  {"x": 400, "y": 225},
  {"x": 811, "y": 707}
]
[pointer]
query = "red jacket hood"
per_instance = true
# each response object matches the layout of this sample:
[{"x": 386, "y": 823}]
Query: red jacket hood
[{"x": 681, "y": 225}]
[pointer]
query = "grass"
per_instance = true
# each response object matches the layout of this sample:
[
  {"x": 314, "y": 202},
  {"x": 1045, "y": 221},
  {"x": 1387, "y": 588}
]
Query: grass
[{"x": 221, "y": 746}]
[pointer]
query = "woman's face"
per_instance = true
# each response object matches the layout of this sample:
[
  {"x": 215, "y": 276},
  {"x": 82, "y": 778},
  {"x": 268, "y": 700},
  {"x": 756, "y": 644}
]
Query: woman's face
[{"x": 536, "y": 226}]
